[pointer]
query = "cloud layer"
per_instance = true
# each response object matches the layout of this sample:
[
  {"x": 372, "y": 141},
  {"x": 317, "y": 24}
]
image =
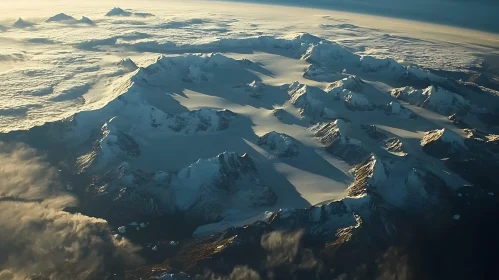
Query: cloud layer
[{"x": 37, "y": 237}]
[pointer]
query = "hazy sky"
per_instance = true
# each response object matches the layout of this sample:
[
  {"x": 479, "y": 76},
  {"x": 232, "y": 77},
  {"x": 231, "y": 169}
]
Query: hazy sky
[
  {"x": 472, "y": 14},
  {"x": 475, "y": 14}
]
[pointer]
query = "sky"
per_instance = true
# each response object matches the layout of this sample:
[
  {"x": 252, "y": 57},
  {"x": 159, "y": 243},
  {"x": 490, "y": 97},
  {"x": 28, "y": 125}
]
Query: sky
[{"x": 473, "y": 14}]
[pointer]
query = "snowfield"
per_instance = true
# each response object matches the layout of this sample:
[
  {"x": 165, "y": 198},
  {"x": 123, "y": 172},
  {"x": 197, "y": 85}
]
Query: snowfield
[{"x": 229, "y": 115}]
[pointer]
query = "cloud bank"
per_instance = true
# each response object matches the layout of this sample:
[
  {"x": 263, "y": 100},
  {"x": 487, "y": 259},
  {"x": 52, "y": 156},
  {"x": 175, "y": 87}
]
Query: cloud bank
[{"x": 39, "y": 238}]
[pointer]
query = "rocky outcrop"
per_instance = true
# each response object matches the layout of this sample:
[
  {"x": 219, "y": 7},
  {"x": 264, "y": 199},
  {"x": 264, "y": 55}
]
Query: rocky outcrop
[
  {"x": 395, "y": 146},
  {"x": 443, "y": 143},
  {"x": 332, "y": 135},
  {"x": 419, "y": 192}
]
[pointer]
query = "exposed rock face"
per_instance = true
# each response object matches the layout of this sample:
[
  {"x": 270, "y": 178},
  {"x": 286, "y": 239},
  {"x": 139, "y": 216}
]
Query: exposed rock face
[
  {"x": 418, "y": 193},
  {"x": 493, "y": 142},
  {"x": 332, "y": 136},
  {"x": 434, "y": 98},
  {"x": 394, "y": 145},
  {"x": 485, "y": 80},
  {"x": 457, "y": 121},
  {"x": 477, "y": 164},
  {"x": 332, "y": 235},
  {"x": 443, "y": 143},
  {"x": 280, "y": 144}
]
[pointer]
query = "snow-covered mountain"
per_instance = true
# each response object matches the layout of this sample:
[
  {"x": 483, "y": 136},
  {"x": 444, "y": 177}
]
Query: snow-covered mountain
[
  {"x": 333, "y": 136},
  {"x": 62, "y": 17},
  {"x": 434, "y": 98},
  {"x": 204, "y": 190},
  {"x": 215, "y": 147},
  {"x": 20, "y": 23},
  {"x": 280, "y": 144}
]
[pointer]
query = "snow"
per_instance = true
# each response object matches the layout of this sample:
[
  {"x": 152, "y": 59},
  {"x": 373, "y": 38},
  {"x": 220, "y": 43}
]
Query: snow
[
  {"x": 183, "y": 108},
  {"x": 456, "y": 217},
  {"x": 303, "y": 97},
  {"x": 357, "y": 100},
  {"x": 357, "y": 204},
  {"x": 350, "y": 83},
  {"x": 396, "y": 107},
  {"x": 451, "y": 137},
  {"x": 433, "y": 98},
  {"x": 379, "y": 172},
  {"x": 255, "y": 88},
  {"x": 280, "y": 144},
  {"x": 329, "y": 54},
  {"x": 128, "y": 64},
  {"x": 373, "y": 64}
]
